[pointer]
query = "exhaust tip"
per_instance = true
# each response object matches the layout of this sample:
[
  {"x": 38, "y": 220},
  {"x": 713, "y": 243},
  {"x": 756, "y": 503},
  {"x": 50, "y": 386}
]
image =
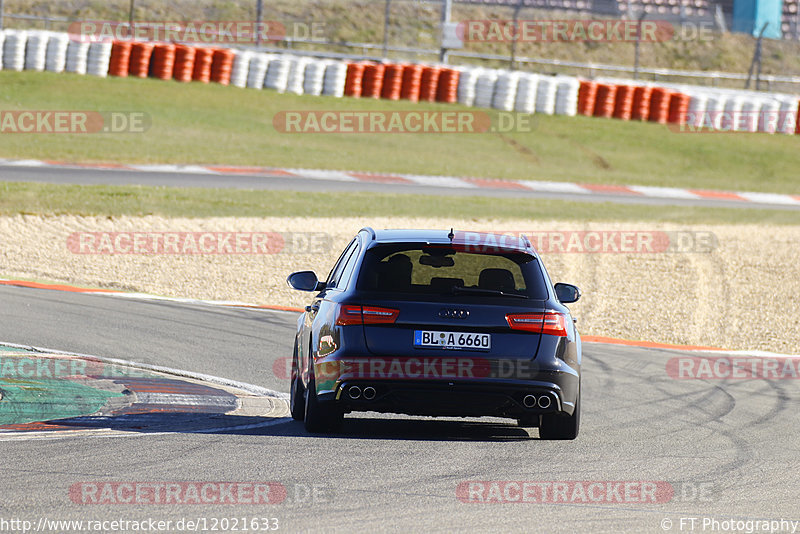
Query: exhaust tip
[
  {"x": 369, "y": 392},
  {"x": 544, "y": 401},
  {"x": 354, "y": 392},
  {"x": 529, "y": 401}
]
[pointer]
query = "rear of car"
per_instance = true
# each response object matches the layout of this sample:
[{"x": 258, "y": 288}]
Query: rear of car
[{"x": 441, "y": 324}]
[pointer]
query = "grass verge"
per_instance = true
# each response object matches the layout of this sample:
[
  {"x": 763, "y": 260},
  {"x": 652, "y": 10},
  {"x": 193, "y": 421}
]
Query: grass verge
[
  {"x": 111, "y": 201},
  {"x": 214, "y": 124}
]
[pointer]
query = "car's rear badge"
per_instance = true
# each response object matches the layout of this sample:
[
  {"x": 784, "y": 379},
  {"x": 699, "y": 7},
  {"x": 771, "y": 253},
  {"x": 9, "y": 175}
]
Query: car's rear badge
[{"x": 453, "y": 313}]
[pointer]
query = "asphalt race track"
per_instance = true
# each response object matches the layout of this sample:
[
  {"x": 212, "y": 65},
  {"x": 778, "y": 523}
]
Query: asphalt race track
[
  {"x": 726, "y": 450},
  {"x": 87, "y": 176}
]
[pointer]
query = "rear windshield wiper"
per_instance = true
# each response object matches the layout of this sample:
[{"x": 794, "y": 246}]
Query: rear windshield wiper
[{"x": 482, "y": 291}]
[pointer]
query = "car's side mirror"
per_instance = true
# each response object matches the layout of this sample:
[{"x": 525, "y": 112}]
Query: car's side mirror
[
  {"x": 305, "y": 281},
  {"x": 567, "y": 293}
]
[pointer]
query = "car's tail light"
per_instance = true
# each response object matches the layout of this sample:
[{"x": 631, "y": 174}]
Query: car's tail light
[
  {"x": 353, "y": 314},
  {"x": 549, "y": 322}
]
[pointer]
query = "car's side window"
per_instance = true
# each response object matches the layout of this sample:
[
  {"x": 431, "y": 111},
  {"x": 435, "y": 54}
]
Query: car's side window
[
  {"x": 336, "y": 273},
  {"x": 349, "y": 266}
]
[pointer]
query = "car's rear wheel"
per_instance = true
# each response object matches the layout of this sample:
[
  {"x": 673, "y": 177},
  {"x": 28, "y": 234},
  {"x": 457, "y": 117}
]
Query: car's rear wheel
[
  {"x": 297, "y": 401},
  {"x": 320, "y": 417},
  {"x": 560, "y": 427}
]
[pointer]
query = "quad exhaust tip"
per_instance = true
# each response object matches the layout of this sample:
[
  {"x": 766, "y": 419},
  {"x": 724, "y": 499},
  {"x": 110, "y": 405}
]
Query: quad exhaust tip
[
  {"x": 529, "y": 401},
  {"x": 354, "y": 392},
  {"x": 369, "y": 393}
]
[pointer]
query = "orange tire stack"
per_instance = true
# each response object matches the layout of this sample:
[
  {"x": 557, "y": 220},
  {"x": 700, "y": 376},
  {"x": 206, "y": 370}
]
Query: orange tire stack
[
  {"x": 429, "y": 83},
  {"x": 184, "y": 63},
  {"x": 222, "y": 65},
  {"x": 623, "y": 105},
  {"x": 163, "y": 62},
  {"x": 678, "y": 108},
  {"x": 140, "y": 59},
  {"x": 392, "y": 82},
  {"x": 659, "y": 105},
  {"x": 447, "y": 91},
  {"x": 640, "y": 111},
  {"x": 373, "y": 80},
  {"x": 412, "y": 81},
  {"x": 587, "y": 95},
  {"x": 354, "y": 80},
  {"x": 120, "y": 58},
  {"x": 604, "y": 103},
  {"x": 202, "y": 64}
]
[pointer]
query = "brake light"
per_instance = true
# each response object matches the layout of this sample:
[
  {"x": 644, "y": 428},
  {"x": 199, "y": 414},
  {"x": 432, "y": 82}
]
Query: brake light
[
  {"x": 549, "y": 322},
  {"x": 349, "y": 314}
]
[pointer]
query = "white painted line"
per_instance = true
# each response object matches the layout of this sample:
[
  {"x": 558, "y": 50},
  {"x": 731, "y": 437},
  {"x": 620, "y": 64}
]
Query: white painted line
[
  {"x": 189, "y": 169},
  {"x": 664, "y": 192},
  {"x": 320, "y": 174},
  {"x": 770, "y": 198},
  {"x": 554, "y": 187},
  {"x": 248, "y": 388},
  {"x": 191, "y": 400},
  {"x": 438, "y": 181},
  {"x": 24, "y": 163},
  {"x": 751, "y": 353}
]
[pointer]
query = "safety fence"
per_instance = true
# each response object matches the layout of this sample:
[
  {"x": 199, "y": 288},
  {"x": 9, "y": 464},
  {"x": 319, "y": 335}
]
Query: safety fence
[{"x": 694, "y": 107}]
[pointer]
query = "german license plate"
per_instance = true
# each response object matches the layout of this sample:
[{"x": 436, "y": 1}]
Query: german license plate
[{"x": 452, "y": 340}]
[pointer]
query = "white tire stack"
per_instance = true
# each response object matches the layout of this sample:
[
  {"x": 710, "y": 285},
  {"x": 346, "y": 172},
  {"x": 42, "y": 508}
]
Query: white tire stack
[
  {"x": 335, "y": 77},
  {"x": 505, "y": 90},
  {"x": 314, "y": 77},
  {"x": 546, "y": 95},
  {"x": 77, "y": 56},
  {"x": 56, "y": 55},
  {"x": 525, "y": 101},
  {"x": 258, "y": 70},
  {"x": 567, "y": 89},
  {"x": 732, "y": 120},
  {"x": 277, "y": 74},
  {"x": 297, "y": 74},
  {"x": 715, "y": 107},
  {"x": 98, "y": 58},
  {"x": 788, "y": 116},
  {"x": 769, "y": 116},
  {"x": 241, "y": 68},
  {"x": 484, "y": 88},
  {"x": 14, "y": 49},
  {"x": 467, "y": 81},
  {"x": 36, "y": 50},
  {"x": 697, "y": 109}
]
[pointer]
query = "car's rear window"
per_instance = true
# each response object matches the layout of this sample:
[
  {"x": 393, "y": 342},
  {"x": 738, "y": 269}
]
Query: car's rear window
[{"x": 440, "y": 269}]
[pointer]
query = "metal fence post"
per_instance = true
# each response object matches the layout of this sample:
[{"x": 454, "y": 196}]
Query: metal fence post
[
  {"x": 259, "y": 16},
  {"x": 447, "y": 6},
  {"x": 386, "y": 15}
]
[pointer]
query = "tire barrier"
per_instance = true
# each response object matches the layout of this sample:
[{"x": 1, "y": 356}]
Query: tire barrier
[
  {"x": 36, "y": 50},
  {"x": 120, "y": 62},
  {"x": 162, "y": 65},
  {"x": 392, "y": 82},
  {"x": 203, "y": 59},
  {"x": 184, "y": 63},
  {"x": 447, "y": 90},
  {"x": 77, "y": 57},
  {"x": 14, "y": 49},
  {"x": 57, "y": 52},
  {"x": 98, "y": 58},
  {"x": 412, "y": 81},
  {"x": 429, "y": 83},
  {"x": 695, "y": 107},
  {"x": 141, "y": 53},
  {"x": 373, "y": 80}
]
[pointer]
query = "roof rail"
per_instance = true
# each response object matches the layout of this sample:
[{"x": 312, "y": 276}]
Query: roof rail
[{"x": 370, "y": 231}]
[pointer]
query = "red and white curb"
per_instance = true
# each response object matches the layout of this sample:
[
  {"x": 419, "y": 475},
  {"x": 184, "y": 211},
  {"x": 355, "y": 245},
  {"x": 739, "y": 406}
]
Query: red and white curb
[{"x": 434, "y": 181}]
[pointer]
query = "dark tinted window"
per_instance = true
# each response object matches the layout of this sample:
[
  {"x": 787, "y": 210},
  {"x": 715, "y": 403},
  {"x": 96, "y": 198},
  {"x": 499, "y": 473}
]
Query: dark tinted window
[
  {"x": 424, "y": 269},
  {"x": 335, "y": 275}
]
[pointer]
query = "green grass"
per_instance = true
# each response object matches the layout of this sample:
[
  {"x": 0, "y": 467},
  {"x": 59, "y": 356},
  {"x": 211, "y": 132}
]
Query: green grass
[
  {"x": 110, "y": 201},
  {"x": 214, "y": 124}
]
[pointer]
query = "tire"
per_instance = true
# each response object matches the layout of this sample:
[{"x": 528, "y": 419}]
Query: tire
[
  {"x": 297, "y": 400},
  {"x": 318, "y": 416},
  {"x": 560, "y": 427}
]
